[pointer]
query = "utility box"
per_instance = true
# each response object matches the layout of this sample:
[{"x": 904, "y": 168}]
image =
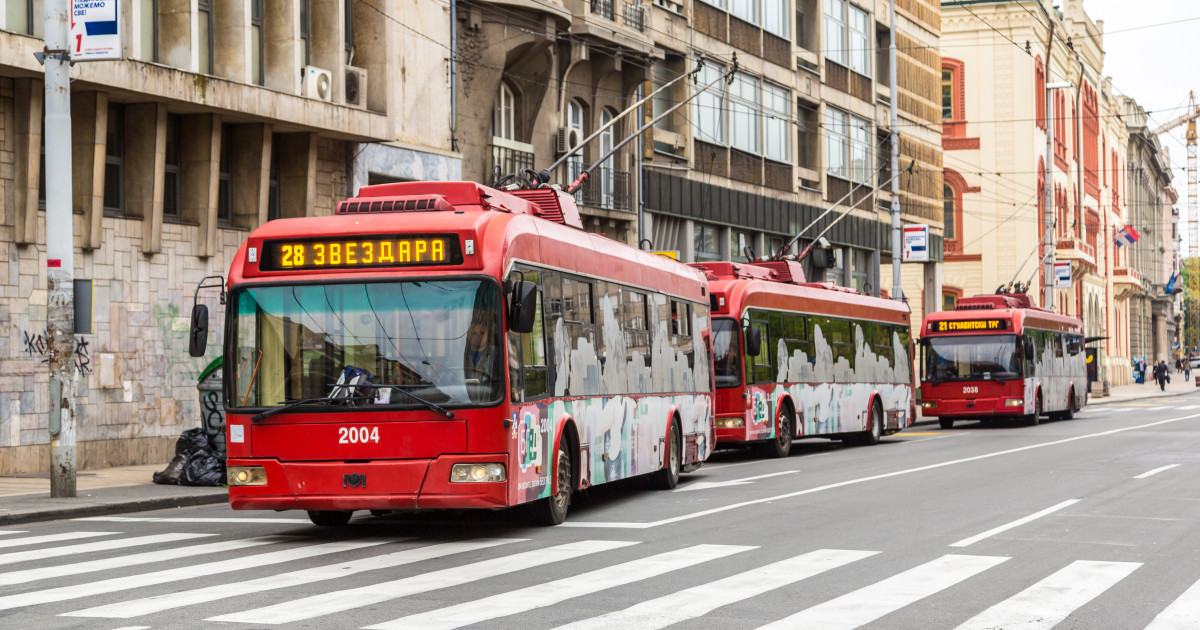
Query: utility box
[{"x": 212, "y": 402}]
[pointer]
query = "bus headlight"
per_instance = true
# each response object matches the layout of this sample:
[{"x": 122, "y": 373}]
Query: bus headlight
[
  {"x": 477, "y": 473},
  {"x": 247, "y": 476},
  {"x": 928, "y": 404},
  {"x": 730, "y": 423},
  {"x": 1014, "y": 402}
]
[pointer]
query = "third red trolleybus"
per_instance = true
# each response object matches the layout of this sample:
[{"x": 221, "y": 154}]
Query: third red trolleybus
[
  {"x": 999, "y": 356},
  {"x": 794, "y": 359},
  {"x": 449, "y": 345}
]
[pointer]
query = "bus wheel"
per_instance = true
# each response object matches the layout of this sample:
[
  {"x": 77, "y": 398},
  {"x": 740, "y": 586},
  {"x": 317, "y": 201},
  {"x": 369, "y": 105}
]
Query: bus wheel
[
  {"x": 946, "y": 423},
  {"x": 875, "y": 429},
  {"x": 1036, "y": 417},
  {"x": 668, "y": 478},
  {"x": 1069, "y": 414},
  {"x": 782, "y": 444},
  {"x": 330, "y": 518},
  {"x": 552, "y": 510}
]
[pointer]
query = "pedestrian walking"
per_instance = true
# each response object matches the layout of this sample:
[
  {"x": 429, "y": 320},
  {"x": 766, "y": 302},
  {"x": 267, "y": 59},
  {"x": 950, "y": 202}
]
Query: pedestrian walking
[{"x": 1161, "y": 375}]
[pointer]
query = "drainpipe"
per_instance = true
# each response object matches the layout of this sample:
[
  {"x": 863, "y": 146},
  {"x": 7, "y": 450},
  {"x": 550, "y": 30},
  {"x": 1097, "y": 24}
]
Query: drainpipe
[{"x": 453, "y": 74}]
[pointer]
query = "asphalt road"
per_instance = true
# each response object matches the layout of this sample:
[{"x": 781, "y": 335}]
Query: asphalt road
[{"x": 1085, "y": 523}]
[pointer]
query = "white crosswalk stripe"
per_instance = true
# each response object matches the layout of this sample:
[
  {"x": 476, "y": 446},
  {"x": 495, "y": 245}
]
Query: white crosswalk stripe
[
  {"x": 705, "y": 598},
  {"x": 182, "y": 573},
  {"x": 868, "y": 604},
  {"x": 1045, "y": 604},
  {"x": 340, "y": 601},
  {"x": 107, "y": 564},
  {"x": 1181, "y": 614},
  {"x": 50, "y": 538},
  {"x": 543, "y": 595},
  {"x": 104, "y": 545},
  {"x": 137, "y": 608}
]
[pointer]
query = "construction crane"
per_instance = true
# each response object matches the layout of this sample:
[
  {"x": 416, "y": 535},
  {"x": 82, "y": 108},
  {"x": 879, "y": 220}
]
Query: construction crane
[{"x": 1191, "y": 333}]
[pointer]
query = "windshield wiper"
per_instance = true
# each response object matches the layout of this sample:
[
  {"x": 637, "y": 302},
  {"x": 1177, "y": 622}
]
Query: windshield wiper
[
  {"x": 428, "y": 404},
  {"x": 302, "y": 401}
]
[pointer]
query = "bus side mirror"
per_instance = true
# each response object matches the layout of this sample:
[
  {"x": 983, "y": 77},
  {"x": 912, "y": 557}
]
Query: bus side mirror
[
  {"x": 198, "y": 338},
  {"x": 523, "y": 308},
  {"x": 753, "y": 342}
]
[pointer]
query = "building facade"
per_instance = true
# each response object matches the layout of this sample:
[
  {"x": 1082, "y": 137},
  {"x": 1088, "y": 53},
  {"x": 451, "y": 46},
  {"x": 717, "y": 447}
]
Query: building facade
[{"x": 222, "y": 114}]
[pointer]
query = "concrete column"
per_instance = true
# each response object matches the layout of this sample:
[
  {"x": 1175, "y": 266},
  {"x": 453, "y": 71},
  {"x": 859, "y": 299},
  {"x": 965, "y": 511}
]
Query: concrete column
[
  {"x": 176, "y": 24},
  {"x": 687, "y": 249},
  {"x": 251, "y": 174},
  {"x": 297, "y": 174},
  {"x": 933, "y": 288},
  {"x": 231, "y": 39},
  {"x": 145, "y": 164},
  {"x": 371, "y": 52},
  {"x": 27, "y": 134},
  {"x": 89, "y": 129},
  {"x": 200, "y": 157},
  {"x": 281, "y": 46},
  {"x": 327, "y": 34}
]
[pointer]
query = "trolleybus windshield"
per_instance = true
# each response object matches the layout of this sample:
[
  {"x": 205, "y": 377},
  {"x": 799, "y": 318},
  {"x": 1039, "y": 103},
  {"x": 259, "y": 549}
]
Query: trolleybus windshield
[
  {"x": 438, "y": 340},
  {"x": 972, "y": 358},
  {"x": 727, "y": 352}
]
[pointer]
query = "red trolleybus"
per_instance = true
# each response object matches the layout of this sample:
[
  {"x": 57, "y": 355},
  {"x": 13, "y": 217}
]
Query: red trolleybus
[
  {"x": 998, "y": 356},
  {"x": 448, "y": 345},
  {"x": 795, "y": 359}
]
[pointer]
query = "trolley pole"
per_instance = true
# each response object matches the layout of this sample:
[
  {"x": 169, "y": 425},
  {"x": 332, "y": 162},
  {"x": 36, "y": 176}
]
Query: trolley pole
[
  {"x": 60, "y": 260},
  {"x": 897, "y": 244}
]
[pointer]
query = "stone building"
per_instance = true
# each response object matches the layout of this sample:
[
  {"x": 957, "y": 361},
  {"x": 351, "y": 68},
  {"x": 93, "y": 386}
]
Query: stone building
[
  {"x": 222, "y": 114},
  {"x": 802, "y": 124}
]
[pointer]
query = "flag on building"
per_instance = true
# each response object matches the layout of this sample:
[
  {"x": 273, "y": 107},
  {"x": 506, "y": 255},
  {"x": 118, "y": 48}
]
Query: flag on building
[
  {"x": 1127, "y": 236},
  {"x": 1171, "y": 283}
]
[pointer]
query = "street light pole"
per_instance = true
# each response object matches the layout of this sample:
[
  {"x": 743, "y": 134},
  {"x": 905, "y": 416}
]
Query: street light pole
[{"x": 1048, "y": 219}]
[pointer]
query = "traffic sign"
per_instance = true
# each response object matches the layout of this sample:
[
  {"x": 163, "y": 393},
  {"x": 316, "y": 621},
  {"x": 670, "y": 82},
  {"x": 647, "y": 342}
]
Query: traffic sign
[
  {"x": 1062, "y": 274},
  {"x": 916, "y": 243}
]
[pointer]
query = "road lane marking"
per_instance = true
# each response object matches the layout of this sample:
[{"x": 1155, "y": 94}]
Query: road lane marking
[
  {"x": 700, "y": 600},
  {"x": 1017, "y": 523},
  {"x": 12, "y": 531},
  {"x": 147, "y": 519},
  {"x": 1159, "y": 408},
  {"x": 542, "y": 595},
  {"x": 104, "y": 545},
  {"x": 1188, "y": 407},
  {"x": 181, "y": 573},
  {"x": 868, "y": 604},
  {"x": 37, "y": 540},
  {"x": 851, "y": 482},
  {"x": 1047, "y": 603},
  {"x": 133, "y": 628},
  {"x": 744, "y": 481},
  {"x": 349, "y": 599},
  {"x": 159, "y": 603},
  {"x": 1156, "y": 471},
  {"x": 1181, "y": 614},
  {"x": 173, "y": 553}
]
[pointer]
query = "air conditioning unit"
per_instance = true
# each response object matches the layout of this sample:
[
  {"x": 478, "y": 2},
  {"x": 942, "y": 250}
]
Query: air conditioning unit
[
  {"x": 566, "y": 140},
  {"x": 356, "y": 87},
  {"x": 316, "y": 83}
]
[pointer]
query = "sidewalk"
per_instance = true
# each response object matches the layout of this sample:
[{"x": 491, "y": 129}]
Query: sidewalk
[
  {"x": 26, "y": 498},
  {"x": 1125, "y": 393}
]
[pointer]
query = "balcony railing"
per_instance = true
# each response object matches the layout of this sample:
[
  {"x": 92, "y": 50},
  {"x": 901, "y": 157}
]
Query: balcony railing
[
  {"x": 603, "y": 8},
  {"x": 507, "y": 160},
  {"x": 606, "y": 188},
  {"x": 635, "y": 16},
  {"x": 633, "y": 13}
]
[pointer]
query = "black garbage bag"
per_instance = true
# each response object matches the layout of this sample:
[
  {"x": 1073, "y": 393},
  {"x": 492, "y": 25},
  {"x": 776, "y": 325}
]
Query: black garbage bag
[
  {"x": 191, "y": 441},
  {"x": 203, "y": 468},
  {"x": 170, "y": 475}
]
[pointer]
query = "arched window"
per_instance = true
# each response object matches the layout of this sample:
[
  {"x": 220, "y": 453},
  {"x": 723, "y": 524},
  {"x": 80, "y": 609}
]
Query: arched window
[
  {"x": 1039, "y": 90},
  {"x": 952, "y": 210},
  {"x": 1041, "y": 197},
  {"x": 607, "y": 175},
  {"x": 575, "y": 112},
  {"x": 948, "y": 206},
  {"x": 504, "y": 118}
]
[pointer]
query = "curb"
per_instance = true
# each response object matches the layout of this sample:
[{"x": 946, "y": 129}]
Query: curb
[{"x": 104, "y": 509}]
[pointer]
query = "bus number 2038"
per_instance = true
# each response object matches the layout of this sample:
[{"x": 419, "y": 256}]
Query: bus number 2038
[{"x": 358, "y": 435}]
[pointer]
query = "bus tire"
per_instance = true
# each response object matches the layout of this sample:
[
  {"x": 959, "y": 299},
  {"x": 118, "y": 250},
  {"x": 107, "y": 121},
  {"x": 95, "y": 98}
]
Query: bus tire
[
  {"x": 1069, "y": 414},
  {"x": 946, "y": 423},
  {"x": 330, "y": 518},
  {"x": 874, "y": 430},
  {"x": 1034, "y": 418},
  {"x": 668, "y": 477},
  {"x": 552, "y": 510},
  {"x": 784, "y": 430}
]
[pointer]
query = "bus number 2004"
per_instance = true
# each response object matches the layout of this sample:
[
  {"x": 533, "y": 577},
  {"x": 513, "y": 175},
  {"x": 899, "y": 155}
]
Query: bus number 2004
[{"x": 357, "y": 435}]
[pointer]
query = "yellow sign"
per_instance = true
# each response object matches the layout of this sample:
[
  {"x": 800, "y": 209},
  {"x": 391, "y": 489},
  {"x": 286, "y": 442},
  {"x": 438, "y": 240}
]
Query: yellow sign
[
  {"x": 351, "y": 252},
  {"x": 967, "y": 325},
  {"x": 673, "y": 255}
]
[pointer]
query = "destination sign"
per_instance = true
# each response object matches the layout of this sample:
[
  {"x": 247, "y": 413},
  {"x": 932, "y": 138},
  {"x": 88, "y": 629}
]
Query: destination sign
[
  {"x": 965, "y": 325},
  {"x": 352, "y": 252}
]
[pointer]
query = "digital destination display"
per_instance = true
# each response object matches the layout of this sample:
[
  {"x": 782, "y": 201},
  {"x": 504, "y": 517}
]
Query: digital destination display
[
  {"x": 966, "y": 325},
  {"x": 352, "y": 252}
]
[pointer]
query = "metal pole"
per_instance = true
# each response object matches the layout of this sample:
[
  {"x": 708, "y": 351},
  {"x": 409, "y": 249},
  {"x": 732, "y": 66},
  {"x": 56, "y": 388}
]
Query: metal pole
[
  {"x": 897, "y": 245},
  {"x": 60, "y": 260},
  {"x": 1048, "y": 219}
]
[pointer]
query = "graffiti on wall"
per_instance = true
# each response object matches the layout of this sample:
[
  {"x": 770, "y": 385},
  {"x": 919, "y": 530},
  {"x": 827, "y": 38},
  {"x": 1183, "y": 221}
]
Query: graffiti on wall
[{"x": 38, "y": 345}]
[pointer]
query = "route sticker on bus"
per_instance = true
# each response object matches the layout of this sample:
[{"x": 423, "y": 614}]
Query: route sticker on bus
[
  {"x": 361, "y": 251},
  {"x": 972, "y": 325}
]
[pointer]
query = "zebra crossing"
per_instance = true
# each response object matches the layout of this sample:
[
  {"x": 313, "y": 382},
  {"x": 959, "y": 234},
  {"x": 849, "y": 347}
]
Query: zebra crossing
[{"x": 376, "y": 579}]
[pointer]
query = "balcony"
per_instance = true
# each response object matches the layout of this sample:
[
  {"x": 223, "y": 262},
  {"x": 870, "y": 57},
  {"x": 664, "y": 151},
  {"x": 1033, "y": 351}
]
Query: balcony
[
  {"x": 1077, "y": 251},
  {"x": 607, "y": 188},
  {"x": 509, "y": 157},
  {"x": 1127, "y": 282},
  {"x": 621, "y": 22}
]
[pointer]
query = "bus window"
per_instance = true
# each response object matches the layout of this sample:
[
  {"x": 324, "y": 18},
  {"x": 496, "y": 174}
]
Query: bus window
[
  {"x": 681, "y": 327},
  {"x": 795, "y": 335},
  {"x": 577, "y": 301},
  {"x": 533, "y": 350},
  {"x": 608, "y": 305},
  {"x": 1058, "y": 345},
  {"x": 972, "y": 358},
  {"x": 819, "y": 328},
  {"x": 843, "y": 342},
  {"x": 727, "y": 352},
  {"x": 635, "y": 325},
  {"x": 760, "y": 364},
  {"x": 881, "y": 342}
]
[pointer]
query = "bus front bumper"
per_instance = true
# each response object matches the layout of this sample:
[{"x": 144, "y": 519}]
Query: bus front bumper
[
  {"x": 971, "y": 407},
  {"x": 377, "y": 485}
]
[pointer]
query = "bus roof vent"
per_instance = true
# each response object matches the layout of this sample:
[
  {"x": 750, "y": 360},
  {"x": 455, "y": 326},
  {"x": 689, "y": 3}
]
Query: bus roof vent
[
  {"x": 983, "y": 302},
  {"x": 414, "y": 203},
  {"x": 552, "y": 205},
  {"x": 785, "y": 270}
]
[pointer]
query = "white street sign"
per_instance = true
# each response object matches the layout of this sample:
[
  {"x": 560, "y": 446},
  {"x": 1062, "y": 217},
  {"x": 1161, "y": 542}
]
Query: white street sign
[
  {"x": 95, "y": 30},
  {"x": 1062, "y": 274},
  {"x": 916, "y": 243}
]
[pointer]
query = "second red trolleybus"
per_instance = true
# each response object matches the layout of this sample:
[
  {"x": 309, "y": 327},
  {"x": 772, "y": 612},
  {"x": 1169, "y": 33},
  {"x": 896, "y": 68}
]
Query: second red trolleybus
[
  {"x": 794, "y": 359},
  {"x": 999, "y": 356},
  {"x": 449, "y": 345}
]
